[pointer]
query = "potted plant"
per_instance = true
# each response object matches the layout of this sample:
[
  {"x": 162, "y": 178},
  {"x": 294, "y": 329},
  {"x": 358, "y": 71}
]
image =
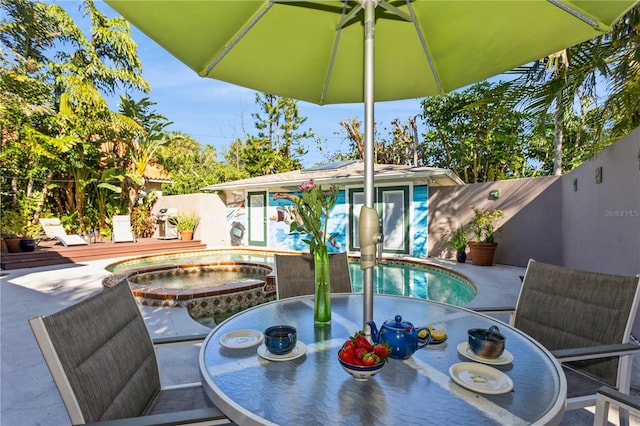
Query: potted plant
[
  {"x": 19, "y": 234},
  {"x": 457, "y": 240},
  {"x": 483, "y": 226},
  {"x": 11, "y": 230},
  {"x": 185, "y": 224},
  {"x": 30, "y": 235}
]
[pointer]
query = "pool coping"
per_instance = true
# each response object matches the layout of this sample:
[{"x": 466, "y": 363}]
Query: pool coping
[
  {"x": 262, "y": 290},
  {"x": 145, "y": 290}
]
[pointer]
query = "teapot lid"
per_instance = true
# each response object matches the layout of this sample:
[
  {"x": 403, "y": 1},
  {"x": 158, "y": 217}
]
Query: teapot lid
[{"x": 398, "y": 323}]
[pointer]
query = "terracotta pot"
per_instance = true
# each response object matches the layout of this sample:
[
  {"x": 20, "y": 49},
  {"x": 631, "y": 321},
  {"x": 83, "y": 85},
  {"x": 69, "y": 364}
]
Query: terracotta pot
[
  {"x": 13, "y": 245},
  {"x": 186, "y": 235},
  {"x": 482, "y": 253}
]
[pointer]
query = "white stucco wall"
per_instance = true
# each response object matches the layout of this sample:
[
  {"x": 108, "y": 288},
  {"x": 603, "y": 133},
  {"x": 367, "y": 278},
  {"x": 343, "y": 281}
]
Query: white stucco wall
[{"x": 212, "y": 229}]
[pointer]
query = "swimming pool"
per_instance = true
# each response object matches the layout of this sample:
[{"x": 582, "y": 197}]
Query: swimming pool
[{"x": 157, "y": 278}]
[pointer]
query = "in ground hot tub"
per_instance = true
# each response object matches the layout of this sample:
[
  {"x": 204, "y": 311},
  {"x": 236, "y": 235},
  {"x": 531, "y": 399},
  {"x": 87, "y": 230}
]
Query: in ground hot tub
[{"x": 207, "y": 290}]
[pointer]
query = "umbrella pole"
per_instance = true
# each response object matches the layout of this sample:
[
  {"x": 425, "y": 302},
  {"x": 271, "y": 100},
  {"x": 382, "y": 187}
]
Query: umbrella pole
[{"x": 367, "y": 266}]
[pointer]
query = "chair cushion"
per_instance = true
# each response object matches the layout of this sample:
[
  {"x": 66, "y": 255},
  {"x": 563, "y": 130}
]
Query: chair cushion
[
  {"x": 564, "y": 308},
  {"x": 107, "y": 354},
  {"x": 295, "y": 274}
]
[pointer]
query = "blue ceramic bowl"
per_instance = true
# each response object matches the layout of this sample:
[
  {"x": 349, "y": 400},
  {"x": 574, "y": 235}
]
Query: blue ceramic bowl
[{"x": 360, "y": 372}]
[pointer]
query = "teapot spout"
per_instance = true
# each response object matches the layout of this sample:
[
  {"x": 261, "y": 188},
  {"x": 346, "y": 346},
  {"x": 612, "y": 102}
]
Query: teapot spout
[{"x": 374, "y": 331}]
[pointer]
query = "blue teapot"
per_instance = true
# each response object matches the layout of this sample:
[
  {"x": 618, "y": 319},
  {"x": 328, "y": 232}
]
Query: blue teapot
[{"x": 402, "y": 337}]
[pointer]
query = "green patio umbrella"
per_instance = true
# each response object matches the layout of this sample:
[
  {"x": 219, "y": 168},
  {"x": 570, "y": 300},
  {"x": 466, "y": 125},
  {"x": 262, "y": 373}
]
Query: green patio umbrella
[{"x": 323, "y": 51}]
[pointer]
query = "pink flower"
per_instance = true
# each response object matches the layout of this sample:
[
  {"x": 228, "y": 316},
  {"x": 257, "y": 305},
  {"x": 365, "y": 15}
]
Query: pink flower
[{"x": 307, "y": 186}]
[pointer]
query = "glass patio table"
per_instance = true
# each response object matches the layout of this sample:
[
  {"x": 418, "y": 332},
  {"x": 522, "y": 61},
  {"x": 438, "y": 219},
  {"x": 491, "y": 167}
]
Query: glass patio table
[{"x": 314, "y": 389}]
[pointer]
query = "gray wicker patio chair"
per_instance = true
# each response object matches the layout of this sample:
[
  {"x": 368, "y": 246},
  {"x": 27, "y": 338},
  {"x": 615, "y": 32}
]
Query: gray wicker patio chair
[
  {"x": 585, "y": 319},
  {"x": 606, "y": 397},
  {"x": 295, "y": 274},
  {"x": 104, "y": 365}
]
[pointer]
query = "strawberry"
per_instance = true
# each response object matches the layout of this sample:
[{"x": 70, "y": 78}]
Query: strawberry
[
  {"x": 382, "y": 350},
  {"x": 369, "y": 358},
  {"x": 347, "y": 355},
  {"x": 360, "y": 352},
  {"x": 347, "y": 352},
  {"x": 360, "y": 341},
  {"x": 348, "y": 345}
]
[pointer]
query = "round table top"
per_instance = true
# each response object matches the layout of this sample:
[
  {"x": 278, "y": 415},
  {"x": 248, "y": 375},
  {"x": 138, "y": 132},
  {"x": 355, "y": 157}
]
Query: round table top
[{"x": 314, "y": 389}]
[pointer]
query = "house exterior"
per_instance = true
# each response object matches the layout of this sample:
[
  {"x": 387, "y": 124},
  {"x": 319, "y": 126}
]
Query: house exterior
[
  {"x": 260, "y": 210},
  {"x": 154, "y": 177}
]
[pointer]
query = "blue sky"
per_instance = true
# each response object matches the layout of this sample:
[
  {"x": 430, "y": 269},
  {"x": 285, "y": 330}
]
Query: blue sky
[{"x": 217, "y": 113}]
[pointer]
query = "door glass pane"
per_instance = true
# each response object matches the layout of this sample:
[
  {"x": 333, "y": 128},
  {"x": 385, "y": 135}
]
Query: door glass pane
[
  {"x": 393, "y": 223},
  {"x": 357, "y": 201},
  {"x": 257, "y": 215}
]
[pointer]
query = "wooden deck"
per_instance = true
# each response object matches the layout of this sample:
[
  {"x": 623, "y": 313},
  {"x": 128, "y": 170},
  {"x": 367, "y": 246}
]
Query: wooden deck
[{"x": 53, "y": 253}]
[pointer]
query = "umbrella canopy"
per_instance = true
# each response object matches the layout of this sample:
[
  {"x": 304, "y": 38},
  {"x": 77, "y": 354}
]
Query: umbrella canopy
[
  {"x": 324, "y": 52},
  {"x": 313, "y": 50}
]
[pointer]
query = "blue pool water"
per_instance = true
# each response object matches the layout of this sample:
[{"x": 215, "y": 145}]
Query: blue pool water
[{"x": 397, "y": 277}]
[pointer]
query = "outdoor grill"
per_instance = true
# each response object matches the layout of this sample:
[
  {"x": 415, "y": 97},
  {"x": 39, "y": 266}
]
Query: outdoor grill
[{"x": 166, "y": 229}]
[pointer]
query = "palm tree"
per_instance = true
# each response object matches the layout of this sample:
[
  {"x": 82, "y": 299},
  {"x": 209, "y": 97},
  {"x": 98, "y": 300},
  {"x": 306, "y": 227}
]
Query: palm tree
[{"x": 576, "y": 77}]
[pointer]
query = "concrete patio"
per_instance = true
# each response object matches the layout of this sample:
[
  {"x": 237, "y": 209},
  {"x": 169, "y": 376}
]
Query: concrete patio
[{"x": 28, "y": 395}]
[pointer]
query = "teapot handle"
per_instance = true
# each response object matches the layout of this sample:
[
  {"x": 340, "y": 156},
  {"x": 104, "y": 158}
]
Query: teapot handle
[{"x": 427, "y": 340}]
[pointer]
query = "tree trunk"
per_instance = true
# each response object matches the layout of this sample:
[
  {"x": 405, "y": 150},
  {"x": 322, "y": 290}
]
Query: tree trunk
[
  {"x": 353, "y": 131},
  {"x": 43, "y": 197},
  {"x": 412, "y": 123},
  {"x": 558, "y": 136}
]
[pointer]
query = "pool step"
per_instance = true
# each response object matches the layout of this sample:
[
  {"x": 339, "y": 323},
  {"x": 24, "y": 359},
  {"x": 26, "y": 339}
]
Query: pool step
[{"x": 51, "y": 253}]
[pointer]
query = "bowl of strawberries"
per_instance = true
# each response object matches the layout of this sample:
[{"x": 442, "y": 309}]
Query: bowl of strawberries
[{"x": 361, "y": 358}]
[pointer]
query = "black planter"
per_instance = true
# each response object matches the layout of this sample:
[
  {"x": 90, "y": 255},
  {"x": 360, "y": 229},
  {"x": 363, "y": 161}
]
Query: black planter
[
  {"x": 27, "y": 245},
  {"x": 461, "y": 257}
]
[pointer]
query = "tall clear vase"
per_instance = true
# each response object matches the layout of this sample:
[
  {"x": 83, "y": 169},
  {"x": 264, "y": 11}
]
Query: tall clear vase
[{"x": 322, "y": 306}]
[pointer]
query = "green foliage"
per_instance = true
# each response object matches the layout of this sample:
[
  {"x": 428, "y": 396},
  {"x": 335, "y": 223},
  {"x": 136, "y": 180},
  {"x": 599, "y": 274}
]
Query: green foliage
[
  {"x": 11, "y": 224},
  {"x": 483, "y": 224},
  {"x": 18, "y": 223},
  {"x": 185, "y": 221},
  {"x": 192, "y": 166},
  {"x": 591, "y": 92},
  {"x": 457, "y": 239},
  {"x": 278, "y": 146},
  {"x": 54, "y": 117},
  {"x": 313, "y": 207},
  {"x": 142, "y": 222},
  {"x": 476, "y": 133}
]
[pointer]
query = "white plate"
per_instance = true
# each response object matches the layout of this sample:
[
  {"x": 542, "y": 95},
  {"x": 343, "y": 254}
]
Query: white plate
[
  {"x": 297, "y": 352},
  {"x": 480, "y": 378},
  {"x": 241, "y": 339},
  {"x": 465, "y": 350}
]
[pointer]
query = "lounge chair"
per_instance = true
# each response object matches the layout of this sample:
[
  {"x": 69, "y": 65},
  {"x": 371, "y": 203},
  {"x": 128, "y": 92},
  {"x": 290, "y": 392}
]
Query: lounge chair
[
  {"x": 104, "y": 365},
  {"x": 295, "y": 274},
  {"x": 585, "y": 320},
  {"x": 54, "y": 230},
  {"x": 121, "y": 232}
]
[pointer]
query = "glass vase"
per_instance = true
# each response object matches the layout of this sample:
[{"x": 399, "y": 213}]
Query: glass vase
[{"x": 322, "y": 305}]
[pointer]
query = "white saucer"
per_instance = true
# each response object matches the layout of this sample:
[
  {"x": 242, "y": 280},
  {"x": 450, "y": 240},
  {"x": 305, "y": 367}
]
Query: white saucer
[
  {"x": 480, "y": 378},
  {"x": 465, "y": 350},
  {"x": 297, "y": 352},
  {"x": 241, "y": 339}
]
